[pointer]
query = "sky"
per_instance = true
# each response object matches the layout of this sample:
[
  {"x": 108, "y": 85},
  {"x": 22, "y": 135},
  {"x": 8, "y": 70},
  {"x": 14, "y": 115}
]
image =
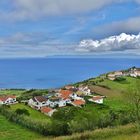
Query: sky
[{"x": 42, "y": 28}]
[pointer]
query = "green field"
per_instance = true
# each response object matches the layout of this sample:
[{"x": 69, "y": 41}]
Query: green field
[
  {"x": 114, "y": 111},
  {"x": 11, "y": 131},
  {"x": 34, "y": 114},
  {"x": 16, "y": 92}
]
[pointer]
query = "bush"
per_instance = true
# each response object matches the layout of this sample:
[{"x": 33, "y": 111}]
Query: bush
[
  {"x": 119, "y": 79},
  {"x": 22, "y": 112}
]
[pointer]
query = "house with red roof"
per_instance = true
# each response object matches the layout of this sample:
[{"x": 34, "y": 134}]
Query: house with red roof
[
  {"x": 48, "y": 111},
  {"x": 7, "y": 100},
  {"x": 78, "y": 103},
  {"x": 97, "y": 99},
  {"x": 65, "y": 95}
]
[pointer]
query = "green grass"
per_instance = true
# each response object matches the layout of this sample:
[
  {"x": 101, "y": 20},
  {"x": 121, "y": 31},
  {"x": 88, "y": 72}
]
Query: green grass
[
  {"x": 105, "y": 134},
  {"x": 12, "y": 131},
  {"x": 126, "y": 137},
  {"x": 34, "y": 114},
  {"x": 119, "y": 86},
  {"x": 115, "y": 92},
  {"x": 12, "y": 92}
]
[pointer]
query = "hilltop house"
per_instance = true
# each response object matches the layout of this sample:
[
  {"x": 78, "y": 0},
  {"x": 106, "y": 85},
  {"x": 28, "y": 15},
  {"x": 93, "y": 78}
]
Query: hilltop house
[
  {"x": 7, "y": 100},
  {"x": 96, "y": 99},
  {"x": 38, "y": 102},
  {"x": 118, "y": 73},
  {"x": 113, "y": 76},
  {"x": 135, "y": 72},
  {"x": 48, "y": 111}
]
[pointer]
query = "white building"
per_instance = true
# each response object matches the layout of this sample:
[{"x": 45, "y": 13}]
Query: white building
[
  {"x": 86, "y": 91},
  {"x": 38, "y": 102},
  {"x": 56, "y": 101},
  {"x": 96, "y": 99},
  {"x": 7, "y": 100}
]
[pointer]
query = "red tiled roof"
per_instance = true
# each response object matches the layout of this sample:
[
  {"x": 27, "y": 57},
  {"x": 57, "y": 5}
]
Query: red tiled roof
[
  {"x": 79, "y": 102},
  {"x": 46, "y": 109},
  {"x": 97, "y": 98},
  {"x": 4, "y": 98},
  {"x": 65, "y": 94}
]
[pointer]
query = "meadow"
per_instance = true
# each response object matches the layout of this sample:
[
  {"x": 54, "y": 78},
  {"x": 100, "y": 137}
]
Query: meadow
[
  {"x": 80, "y": 122},
  {"x": 12, "y": 131}
]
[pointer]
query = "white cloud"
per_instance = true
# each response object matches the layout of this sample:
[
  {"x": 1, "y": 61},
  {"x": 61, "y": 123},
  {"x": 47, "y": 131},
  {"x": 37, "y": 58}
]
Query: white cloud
[
  {"x": 122, "y": 42},
  {"x": 32, "y": 9}
]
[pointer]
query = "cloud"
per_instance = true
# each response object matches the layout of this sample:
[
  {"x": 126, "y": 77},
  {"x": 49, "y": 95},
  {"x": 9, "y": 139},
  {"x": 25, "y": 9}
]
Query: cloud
[
  {"x": 33, "y": 45},
  {"x": 120, "y": 43},
  {"x": 32, "y": 9},
  {"x": 130, "y": 25}
]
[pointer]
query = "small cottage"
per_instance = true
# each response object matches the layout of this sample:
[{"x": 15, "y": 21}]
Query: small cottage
[
  {"x": 47, "y": 111},
  {"x": 7, "y": 100},
  {"x": 96, "y": 99}
]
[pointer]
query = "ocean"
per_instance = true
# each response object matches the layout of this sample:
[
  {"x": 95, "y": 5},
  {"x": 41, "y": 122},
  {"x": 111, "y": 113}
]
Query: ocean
[{"x": 56, "y": 72}]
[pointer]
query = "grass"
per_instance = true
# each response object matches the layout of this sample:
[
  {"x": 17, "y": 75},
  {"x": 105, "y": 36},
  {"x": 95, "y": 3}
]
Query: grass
[
  {"x": 126, "y": 137},
  {"x": 34, "y": 114},
  {"x": 115, "y": 100},
  {"x": 118, "y": 86},
  {"x": 12, "y": 131},
  {"x": 105, "y": 134},
  {"x": 12, "y": 91}
]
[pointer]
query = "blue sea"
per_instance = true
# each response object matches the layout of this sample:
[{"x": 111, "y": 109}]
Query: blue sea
[{"x": 56, "y": 72}]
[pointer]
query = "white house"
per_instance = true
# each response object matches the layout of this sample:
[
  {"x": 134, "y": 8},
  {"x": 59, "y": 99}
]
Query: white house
[
  {"x": 86, "y": 91},
  {"x": 48, "y": 111},
  {"x": 96, "y": 99},
  {"x": 7, "y": 100},
  {"x": 75, "y": 97},
  {"x": 56, "y": 101},
  {"x": 38, "y": 102},
  {"x": 118, "y": 73},
  {"x": 134, "y": 72},
  {"x": 137, "y": 72},
  {"x": 111, "y": 76}
]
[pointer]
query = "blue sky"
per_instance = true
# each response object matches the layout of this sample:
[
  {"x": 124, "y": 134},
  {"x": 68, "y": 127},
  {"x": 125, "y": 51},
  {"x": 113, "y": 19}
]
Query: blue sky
[{"x": 32, "y": 28}]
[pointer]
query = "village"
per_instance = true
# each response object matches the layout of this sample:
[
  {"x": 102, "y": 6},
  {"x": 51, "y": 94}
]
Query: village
[
  {"x": 49, "y": 103},
  {"x": 67, "y": 96}
]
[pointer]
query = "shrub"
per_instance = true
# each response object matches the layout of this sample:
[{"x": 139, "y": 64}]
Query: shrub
[{"x": 22, "y": 112}]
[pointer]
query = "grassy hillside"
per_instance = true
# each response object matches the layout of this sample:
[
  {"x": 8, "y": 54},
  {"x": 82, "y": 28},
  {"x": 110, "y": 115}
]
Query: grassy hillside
[
  {"x": 34, "y": 114},
  {"x": 118, "y": 133},
  {"x": 11, "y": 131},
  {"x": 114, "y": 112}
]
